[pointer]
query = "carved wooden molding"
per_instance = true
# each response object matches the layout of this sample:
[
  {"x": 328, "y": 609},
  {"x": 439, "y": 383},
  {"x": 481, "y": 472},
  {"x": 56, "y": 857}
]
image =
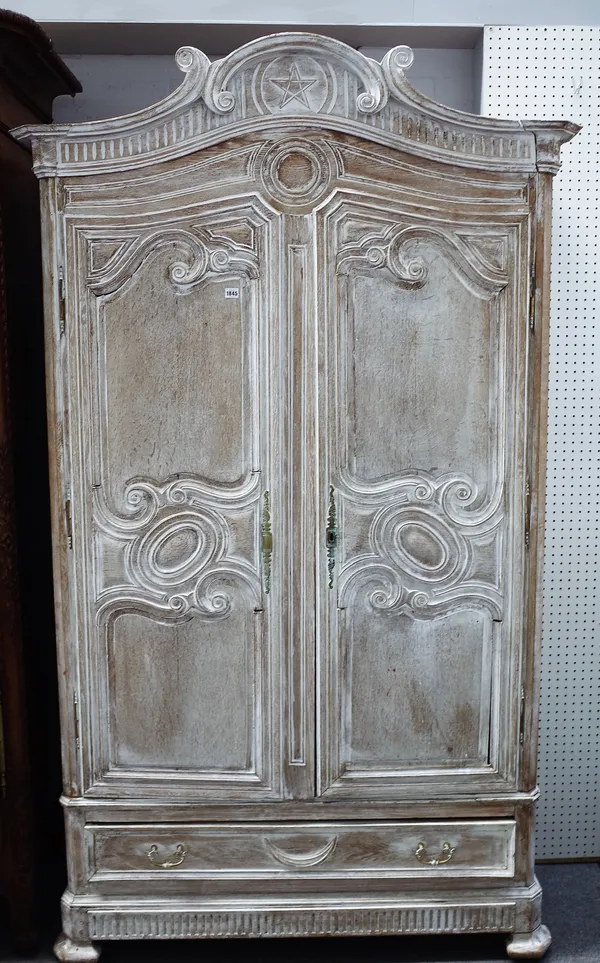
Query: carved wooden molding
[
  {"x": 200, "y": 583},
  {"x": 550, "y": 135},
  {"x": 453, "y": 918},
  {"x": 314, "y": 80}
]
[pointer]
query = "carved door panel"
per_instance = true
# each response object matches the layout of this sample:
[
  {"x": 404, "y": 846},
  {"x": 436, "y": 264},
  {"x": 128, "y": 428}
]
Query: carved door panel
[
  {"x": 173, "y": 474},
  {"x": 421, "y": 491}
]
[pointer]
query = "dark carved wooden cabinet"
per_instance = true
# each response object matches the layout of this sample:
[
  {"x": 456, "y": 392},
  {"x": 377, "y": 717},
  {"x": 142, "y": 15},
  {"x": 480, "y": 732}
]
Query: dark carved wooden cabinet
[
  {"x": 31, "y": 75},
  {"x": 296, "y": 317}
]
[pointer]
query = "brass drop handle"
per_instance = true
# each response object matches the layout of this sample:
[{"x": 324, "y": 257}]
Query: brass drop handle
[
  {"x": 446, "y": 854},
  {"x": 331, "y": 534},
  {"x": 176, "y": 858}
]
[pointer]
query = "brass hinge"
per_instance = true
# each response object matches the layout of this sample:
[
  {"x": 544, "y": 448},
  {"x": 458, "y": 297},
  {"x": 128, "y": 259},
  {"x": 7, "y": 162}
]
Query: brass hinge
[
  {"x": 527, "y": 511},
  {"x": 69, "y": 520},
  {"x": 532, "y": 301},
  {"x": 522, "y": 718},
  {"x": 62, "y": 301},
  {"x": 76, "y": 720},
  {"x": 2, "y": 752}
]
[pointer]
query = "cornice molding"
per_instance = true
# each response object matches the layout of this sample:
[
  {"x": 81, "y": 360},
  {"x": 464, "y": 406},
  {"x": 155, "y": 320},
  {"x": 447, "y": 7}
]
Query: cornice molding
[{"x": 299, "y": 79}]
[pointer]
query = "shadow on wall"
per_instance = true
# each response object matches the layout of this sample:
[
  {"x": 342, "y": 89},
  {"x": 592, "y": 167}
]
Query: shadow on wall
[{"x": 116, "y": 84}]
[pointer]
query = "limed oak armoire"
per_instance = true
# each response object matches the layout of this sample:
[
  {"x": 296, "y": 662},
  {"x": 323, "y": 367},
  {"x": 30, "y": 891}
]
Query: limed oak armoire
[{"x": 297, "y": 357}]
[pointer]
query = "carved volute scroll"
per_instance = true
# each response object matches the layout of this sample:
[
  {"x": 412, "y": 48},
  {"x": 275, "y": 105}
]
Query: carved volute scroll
[{"x": 303, "y": 77}]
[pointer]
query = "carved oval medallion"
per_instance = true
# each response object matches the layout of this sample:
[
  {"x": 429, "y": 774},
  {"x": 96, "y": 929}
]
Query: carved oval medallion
[
  {"x": 427, "y": 547},
  {"x": 174, "y": 551},
  {"x": 176, "y": 548},
  {"x": 422, "y": 545}
]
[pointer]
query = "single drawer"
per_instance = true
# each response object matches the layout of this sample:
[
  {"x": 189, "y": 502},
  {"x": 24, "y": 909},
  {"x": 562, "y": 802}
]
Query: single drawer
[{"x": 329, "y": 850}]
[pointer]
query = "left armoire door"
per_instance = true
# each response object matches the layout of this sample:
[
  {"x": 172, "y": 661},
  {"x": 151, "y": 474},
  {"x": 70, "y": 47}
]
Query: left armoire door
[{"x": 168, "y": 507}]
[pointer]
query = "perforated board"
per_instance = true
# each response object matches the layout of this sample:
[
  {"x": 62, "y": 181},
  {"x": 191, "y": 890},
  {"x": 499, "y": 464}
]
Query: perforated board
[{"x": 555, "y": 72}]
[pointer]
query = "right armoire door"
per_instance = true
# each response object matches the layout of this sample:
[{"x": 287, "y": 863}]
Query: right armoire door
[{"x": 422, "y": 342}]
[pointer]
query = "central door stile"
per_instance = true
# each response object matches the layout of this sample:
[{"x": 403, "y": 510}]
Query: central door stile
[
  {"x": 327, "y": 516},
  {"x": 297, "y": 500}
]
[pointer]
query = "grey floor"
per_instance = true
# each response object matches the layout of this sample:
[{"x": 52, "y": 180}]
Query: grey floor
[{"x": 571, "y": 910}]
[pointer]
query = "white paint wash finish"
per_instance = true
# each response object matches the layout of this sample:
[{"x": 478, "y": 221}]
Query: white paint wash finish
[{"x": 297, "y": 361}]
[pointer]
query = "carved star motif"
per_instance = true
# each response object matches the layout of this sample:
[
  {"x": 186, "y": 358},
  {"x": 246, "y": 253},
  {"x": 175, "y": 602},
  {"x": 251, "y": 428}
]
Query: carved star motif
[{"x": 294, "y": 87}]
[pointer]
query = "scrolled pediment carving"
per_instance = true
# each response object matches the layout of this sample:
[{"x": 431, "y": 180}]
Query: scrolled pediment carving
[
  {"x": 295, "y": 77},
  {"x": 300, "y": 71}
]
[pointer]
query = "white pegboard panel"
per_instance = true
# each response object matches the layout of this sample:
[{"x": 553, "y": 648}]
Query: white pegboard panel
[{"x": 554, "y": 72}]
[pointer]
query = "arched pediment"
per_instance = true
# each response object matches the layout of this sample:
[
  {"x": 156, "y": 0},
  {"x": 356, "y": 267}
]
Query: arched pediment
[{"x": 298, "y": 79}]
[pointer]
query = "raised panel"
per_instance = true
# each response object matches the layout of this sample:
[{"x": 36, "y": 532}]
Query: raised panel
[
  {"x": 181, "y": 695},
  {"x": 421, "y": 712},
  {"x": 168, "y": 355},
  {"x": 421, "y": 400},
  {"x": 421, "y": 363}
]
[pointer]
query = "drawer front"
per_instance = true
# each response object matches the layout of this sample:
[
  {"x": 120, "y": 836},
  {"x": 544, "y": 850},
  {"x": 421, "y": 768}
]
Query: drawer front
[{"x": 328, "y": 850}]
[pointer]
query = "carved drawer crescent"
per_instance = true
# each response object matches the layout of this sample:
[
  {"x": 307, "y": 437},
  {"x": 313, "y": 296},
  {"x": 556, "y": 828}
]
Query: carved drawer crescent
[{"x": 301, "y": 860}]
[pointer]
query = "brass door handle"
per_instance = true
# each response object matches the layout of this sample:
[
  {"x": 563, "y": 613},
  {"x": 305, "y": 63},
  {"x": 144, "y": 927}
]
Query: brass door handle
[
  {"x": 331, "y": 534},
  {"x": 446, "y": 854},
  {"x": 175, "y": 859}
]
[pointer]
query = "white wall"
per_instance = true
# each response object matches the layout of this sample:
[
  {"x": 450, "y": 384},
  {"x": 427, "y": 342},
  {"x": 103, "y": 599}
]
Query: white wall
[
  {"x": 554, "y": 72},
  {"x": 117, "y": 84},
  {"x": 317, "y": 11},
  {"x": 444, "y": 75}
]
